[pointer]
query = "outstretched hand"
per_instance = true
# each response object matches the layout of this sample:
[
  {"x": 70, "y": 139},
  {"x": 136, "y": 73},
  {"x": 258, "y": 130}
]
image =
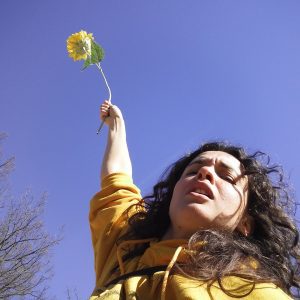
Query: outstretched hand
[{"x": 109, "y": 112}]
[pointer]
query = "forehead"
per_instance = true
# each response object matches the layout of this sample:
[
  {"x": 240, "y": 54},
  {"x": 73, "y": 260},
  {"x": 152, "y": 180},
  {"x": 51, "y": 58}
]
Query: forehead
[{"x": 219, "y": 156}]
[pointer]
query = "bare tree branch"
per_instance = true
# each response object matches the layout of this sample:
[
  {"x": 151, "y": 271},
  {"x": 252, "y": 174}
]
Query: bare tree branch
[
  {"x": 72, "y": 294},
  {"x": 25, "y": 245}
]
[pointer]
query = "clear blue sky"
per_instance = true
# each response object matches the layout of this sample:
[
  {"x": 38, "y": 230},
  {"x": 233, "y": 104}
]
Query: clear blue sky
[{"x": 183, "y": 72}]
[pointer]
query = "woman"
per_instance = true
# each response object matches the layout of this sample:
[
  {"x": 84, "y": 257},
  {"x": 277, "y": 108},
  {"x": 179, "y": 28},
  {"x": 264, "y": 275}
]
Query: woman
[{"x": 214, "y": 227}]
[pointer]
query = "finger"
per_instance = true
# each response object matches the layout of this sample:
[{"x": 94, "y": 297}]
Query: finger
[
  {"x": 104, "y": 107},
  {"x": 104, "y": 114},
  {"x": 107, "y": 102},
  {"x": 104, "y": 111}
]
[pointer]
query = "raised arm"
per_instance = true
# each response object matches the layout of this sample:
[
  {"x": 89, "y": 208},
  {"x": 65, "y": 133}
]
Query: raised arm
[{"x": 116, "y": 157}]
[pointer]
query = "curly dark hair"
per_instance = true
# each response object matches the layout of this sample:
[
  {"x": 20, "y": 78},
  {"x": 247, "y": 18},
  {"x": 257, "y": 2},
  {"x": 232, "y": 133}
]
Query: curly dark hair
[{"x": 273, "y": 243}]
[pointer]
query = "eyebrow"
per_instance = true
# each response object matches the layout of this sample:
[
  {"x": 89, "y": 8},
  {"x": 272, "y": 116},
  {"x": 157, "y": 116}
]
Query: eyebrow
[
  {"x": 222, "y": 164},
  {"x": 227, "y": 167}
]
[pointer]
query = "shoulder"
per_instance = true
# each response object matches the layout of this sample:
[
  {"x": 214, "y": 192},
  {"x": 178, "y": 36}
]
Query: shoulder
[
  {"x": 267, "y": 291},
  {"x": 247, "y": 289}
]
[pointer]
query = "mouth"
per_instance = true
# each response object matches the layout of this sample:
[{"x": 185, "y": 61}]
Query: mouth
[{"x": 202, "y": 191}]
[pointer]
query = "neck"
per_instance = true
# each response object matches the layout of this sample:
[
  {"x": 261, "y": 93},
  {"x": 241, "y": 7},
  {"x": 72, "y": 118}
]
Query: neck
[{"x": 172, "y": 234}]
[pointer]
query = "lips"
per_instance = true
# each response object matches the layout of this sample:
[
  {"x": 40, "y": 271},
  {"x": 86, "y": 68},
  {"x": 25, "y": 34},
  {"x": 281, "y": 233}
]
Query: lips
[{"x": 202, "y": 189}]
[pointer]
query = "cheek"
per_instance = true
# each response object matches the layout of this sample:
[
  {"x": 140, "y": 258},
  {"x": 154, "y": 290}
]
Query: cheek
[
  {"x": 173, "y": 211},
  {"x": 179, "y": 188},
  {"x": 177, "y": 199},
  {"x": 177, "y": 194},
  {"x": 232, "y": 200}
]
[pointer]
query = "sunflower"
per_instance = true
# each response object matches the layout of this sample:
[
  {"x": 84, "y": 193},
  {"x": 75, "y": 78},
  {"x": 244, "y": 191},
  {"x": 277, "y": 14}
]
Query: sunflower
[{"x": 79, "y": 45}]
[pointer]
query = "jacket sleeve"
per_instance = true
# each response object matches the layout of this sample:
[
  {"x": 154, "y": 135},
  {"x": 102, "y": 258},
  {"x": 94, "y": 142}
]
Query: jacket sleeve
[
  {"x": 245, "y": 289},
  {"x": 108, "y": 220},
  {"x": 268, "y": 292}
]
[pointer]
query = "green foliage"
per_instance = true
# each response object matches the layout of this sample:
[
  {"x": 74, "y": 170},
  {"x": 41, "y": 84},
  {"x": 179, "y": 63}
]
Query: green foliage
[{"x": 97, "y": 55}]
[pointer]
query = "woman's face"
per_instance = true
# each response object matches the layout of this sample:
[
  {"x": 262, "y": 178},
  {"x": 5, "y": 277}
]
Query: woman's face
[{"x": 211, "y": 193}]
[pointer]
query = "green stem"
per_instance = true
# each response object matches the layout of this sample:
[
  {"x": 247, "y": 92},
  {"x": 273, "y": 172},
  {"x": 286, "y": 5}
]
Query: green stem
[
  {"x": 109, "y": 90},
  {"x": 106, "y": 83}
]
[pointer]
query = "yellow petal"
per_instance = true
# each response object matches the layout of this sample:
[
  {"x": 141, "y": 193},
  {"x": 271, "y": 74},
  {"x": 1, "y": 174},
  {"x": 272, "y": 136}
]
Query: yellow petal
[{"x": 79, "y": 45}]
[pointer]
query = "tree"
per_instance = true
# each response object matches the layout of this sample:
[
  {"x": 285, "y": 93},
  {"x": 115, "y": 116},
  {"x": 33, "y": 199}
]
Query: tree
[
  {"x": 25, "y": 245},
  {"x": 72, "y": 294}
]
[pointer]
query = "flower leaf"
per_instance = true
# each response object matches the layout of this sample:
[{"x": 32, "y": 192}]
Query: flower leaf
[
  {"x": 86, "y": 64},
  {"x": 97, "y": 53}
]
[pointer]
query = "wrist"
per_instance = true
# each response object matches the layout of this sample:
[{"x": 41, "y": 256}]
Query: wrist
[{"x": 117, "y": 126}]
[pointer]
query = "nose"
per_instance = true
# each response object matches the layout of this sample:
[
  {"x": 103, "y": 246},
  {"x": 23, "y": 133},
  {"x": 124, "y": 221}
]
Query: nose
[{"x": 206, "y": 172}]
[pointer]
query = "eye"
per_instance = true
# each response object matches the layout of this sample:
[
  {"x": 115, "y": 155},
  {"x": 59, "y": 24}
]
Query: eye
[
  {"x": 229, "y": 179},
  {"x": 191, "y": 172}
]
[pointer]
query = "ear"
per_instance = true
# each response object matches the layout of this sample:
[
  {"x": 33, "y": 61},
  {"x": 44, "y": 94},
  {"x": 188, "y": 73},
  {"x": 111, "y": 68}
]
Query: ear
[{"x": 246, "y": 225}]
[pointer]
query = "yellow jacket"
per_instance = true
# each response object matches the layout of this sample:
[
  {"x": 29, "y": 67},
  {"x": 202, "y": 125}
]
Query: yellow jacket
[{"x": 108, "y": 222}]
